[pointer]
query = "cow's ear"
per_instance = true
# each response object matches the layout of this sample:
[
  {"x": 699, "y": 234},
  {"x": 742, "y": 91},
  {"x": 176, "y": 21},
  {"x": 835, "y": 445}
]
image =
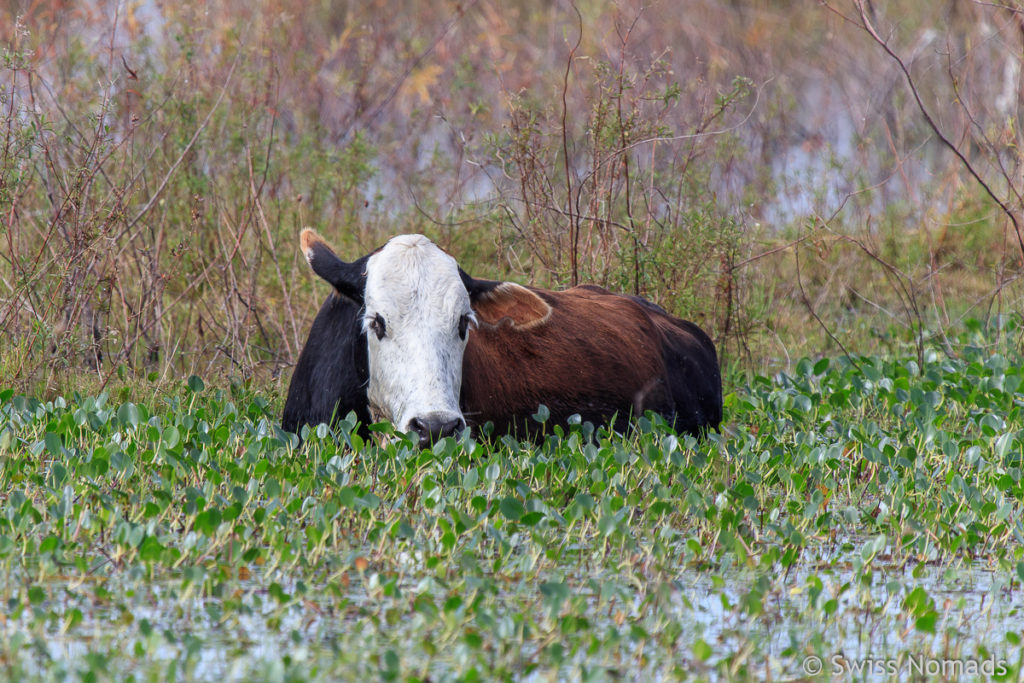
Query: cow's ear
[
  {"x": 348, "y": 278},
  {"x": 505, "y": 303}
]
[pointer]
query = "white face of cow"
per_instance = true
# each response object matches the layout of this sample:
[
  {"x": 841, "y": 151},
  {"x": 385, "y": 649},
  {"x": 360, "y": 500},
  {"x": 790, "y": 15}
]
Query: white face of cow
[{"x": 416, "y": 317}]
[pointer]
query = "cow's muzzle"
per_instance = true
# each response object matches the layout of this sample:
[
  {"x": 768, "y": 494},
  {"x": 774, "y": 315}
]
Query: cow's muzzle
[{"x": 434, "y": 427}]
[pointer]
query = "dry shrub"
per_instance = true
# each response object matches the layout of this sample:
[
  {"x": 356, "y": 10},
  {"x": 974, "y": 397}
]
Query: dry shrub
[{"x": 158, "y": 161}]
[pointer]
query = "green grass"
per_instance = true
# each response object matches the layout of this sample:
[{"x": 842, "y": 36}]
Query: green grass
[{"x": 858, "y": 509}]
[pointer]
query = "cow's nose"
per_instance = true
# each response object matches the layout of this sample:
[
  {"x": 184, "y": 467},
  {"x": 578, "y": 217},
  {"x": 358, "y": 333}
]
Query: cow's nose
[{"x": 433, "y": 428}]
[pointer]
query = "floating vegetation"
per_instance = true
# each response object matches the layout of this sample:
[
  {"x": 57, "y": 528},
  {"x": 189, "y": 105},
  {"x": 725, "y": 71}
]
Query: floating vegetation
[{"x": 859, "y": 515}]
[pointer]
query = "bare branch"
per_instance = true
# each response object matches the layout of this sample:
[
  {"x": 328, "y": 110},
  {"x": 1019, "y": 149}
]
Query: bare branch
[{"x": 868, "y": 26}]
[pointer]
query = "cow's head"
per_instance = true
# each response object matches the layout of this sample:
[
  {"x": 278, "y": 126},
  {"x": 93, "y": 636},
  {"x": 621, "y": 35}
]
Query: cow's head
[{"x": 418, "y": 309}]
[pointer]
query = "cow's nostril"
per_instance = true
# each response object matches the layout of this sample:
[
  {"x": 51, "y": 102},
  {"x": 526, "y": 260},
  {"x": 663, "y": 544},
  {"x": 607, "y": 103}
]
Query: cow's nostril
[
  {"x": 420, "y": 427},
  {"x": 452, "y": 427}
]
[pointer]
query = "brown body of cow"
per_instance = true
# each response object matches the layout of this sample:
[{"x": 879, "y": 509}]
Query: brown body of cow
[{"x": 584, "y": 351}]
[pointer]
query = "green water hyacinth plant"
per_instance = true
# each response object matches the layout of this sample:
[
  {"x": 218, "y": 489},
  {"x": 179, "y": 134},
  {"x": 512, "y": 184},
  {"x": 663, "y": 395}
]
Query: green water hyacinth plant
[{"x": 856, "y": 514}]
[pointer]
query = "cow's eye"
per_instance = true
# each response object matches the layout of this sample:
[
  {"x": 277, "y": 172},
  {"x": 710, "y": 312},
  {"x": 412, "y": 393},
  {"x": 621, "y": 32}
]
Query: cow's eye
[
  {"x": 464, "y": 322},
  {"x": 378, "y": 326}
]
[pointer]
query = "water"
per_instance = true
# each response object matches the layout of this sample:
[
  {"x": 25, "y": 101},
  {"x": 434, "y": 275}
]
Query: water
[{"x": 245, "y": 631}]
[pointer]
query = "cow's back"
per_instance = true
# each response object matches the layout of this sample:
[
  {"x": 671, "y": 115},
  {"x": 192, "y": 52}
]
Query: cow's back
[{"x": 598, "y": 354}]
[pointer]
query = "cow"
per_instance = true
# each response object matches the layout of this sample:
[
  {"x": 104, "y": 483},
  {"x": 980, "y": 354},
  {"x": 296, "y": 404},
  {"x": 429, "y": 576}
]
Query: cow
[{"x": 408, "y": 336}]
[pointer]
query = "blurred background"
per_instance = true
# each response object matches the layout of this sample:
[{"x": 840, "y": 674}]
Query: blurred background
[{"x": 799, "y": 178}]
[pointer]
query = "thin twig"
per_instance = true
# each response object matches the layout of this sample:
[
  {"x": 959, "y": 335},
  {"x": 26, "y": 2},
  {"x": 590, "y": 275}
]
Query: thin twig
[
  {"x": 814, "y": 314},
  {"x": 625, "y": 157},
  {"x": 574, "y": 222}
]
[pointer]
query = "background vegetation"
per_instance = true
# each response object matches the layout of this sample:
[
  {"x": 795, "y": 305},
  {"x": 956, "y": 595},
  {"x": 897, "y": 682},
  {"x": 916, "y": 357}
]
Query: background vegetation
[{"x": 768, "y": 171}]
